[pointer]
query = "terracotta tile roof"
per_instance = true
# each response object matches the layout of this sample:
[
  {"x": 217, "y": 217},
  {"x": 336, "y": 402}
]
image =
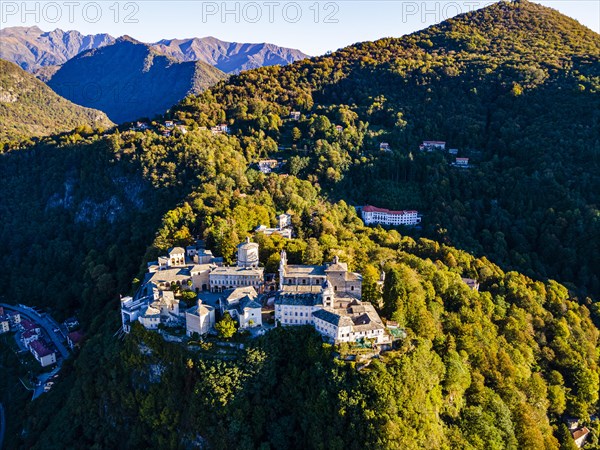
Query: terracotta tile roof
[
  {"x": 40, "y": 349},
  {"x": 369, "y": 208}
]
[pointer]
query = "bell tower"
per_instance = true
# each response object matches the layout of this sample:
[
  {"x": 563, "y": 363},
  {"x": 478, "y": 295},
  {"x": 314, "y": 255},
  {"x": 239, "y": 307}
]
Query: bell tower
[
  {"x": 327, "y": 294},
  {"x": 282, "y": 266}
]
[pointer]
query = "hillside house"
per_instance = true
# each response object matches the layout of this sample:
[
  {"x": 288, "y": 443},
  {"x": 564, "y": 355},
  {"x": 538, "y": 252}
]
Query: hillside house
[
  {"x": 430, "y": 146},
  {"x": 295, "y": 115},
  {"x": 462, "y": 162},
  {"x": 286, "y": 233},
  {"x": 74, "y": 339},
  {"x": 219, "y": 129},
  {"x": 284, "y": 227},
  {"x": 42, "y": 352},
  {"x": 268, "y": 165},
  {"x": 473, "y": 284},
  {"x": 580, "y": 436},
  {"x": 163, "y": 310}
]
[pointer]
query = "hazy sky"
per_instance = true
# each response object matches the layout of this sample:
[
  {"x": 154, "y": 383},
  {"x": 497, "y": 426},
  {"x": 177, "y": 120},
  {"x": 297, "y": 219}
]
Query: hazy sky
[{"x": 311, "y": 26}]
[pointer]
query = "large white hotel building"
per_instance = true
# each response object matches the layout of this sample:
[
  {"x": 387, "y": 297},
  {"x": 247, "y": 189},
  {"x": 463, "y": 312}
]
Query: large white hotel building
[{"x": 372, "y": 215}]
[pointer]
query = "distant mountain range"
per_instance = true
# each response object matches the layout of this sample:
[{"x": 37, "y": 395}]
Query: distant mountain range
[
  {"x": 230, "y": 57},
  {"x": 30, "y": 108},
  {"x": 32, "y": 49},
  {"x": 129, "y": 80}
]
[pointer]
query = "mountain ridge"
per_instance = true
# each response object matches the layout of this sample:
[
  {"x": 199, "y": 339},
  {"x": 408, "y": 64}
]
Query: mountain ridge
[
  {"x": 33, "y": 49},
  {"x": 130, "y": 80},
  {"x": 230, "y": 57}
]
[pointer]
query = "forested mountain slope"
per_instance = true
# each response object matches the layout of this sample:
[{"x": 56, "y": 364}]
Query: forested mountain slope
[
  {"x": 29, "y": 108},
  {"x": 493, "y": 369}
]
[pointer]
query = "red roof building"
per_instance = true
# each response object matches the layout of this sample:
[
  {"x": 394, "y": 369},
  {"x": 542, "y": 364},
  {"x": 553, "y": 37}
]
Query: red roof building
[
  {"x": 373, "y": 215},
  {"x": 42, "y": 353},
  {"x": 74, "y": 339},
  {"x": 29, "y": 325},
  {"x": 29, "y": 336}
]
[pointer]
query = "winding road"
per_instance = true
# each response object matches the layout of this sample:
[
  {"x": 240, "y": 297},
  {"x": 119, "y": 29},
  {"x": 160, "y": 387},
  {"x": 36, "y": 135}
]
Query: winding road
[{"x": 43, "y": 323}]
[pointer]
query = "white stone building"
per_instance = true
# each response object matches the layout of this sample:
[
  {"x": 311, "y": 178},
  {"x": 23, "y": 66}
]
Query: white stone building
[
  {"x": 357, "y": 320},
  {"x": 163, "y": 310},
  {"x": 242, "y": 304},
  {"x": 284, "y": 227},
  {"x": 372, "y": 215},
  {"x": 42, "y": 352},
  {"x": 192, "y": 269},
  {"x": 328, "y": 298},
  {"x": 304, "y": 278},
  {"x": 161, "y": 307},
  {"x": 246, "y": 273},
  {"x": 199, "y": 319}
]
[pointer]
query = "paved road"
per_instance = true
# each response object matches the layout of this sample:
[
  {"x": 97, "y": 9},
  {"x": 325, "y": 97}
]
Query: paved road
[
  {"x": 2, "y": 425},
  {"x": 44, "y": 323}
]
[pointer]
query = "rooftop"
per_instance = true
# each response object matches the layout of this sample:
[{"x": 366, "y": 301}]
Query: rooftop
[
  {"x": 76, "y": 337},
  {"x": 302, "y": 288},
  {"x": 304, "y": 271},
  {"x": 369, "y": 208},
  {"x": 29, "y": 333},
  {"x": 40, "y": 349},
  {"x": 256, "y": 271},
  {"x": 28, "y": 324},
  {"x": 202, "y": 307},
  {"x": 581, "y": 432},
  {"x": 237, "y": 294},
  {"x": 360, "y": 315},
  {"x": 168, "y": 275},
  {"x": 333, "y": 317}
]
